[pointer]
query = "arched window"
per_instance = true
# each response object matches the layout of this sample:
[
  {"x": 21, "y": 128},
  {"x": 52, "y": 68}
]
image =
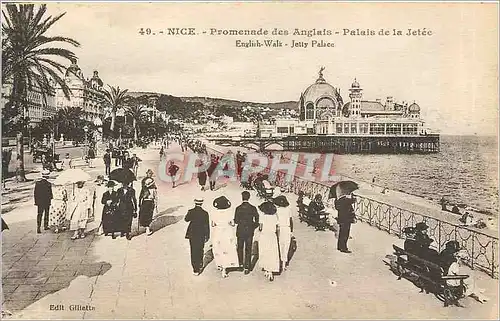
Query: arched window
[
  {"x": 309, "y": 111},
  {"x": 324, "y": 104}
]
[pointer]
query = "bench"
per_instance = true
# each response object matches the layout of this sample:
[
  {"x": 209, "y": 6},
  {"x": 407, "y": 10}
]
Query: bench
[{"x": 430, "y": 276}]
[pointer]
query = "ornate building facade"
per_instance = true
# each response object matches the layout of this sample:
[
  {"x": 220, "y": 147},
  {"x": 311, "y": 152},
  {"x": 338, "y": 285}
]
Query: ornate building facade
[
  {"x": 86, "y": 94},
  {"x": 322, "y": 111}
]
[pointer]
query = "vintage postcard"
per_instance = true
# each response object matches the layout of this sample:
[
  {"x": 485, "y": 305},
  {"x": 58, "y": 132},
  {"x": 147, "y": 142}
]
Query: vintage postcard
[{"x": 250, "y": 160}]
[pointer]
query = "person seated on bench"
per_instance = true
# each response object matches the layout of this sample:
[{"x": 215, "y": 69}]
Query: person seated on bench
[
  {"x": 423, "y": 242},
  {"x": 410, "y": 244},
  {"x": 316, "y": 207},
  {"x": 450, "y": 259}
]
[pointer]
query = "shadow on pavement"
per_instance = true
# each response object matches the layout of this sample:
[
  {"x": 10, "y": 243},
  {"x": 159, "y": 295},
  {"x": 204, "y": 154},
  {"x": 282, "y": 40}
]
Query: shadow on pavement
[
  {"x": 159, "y": 221},
  {"x": 36, "y": 265}
]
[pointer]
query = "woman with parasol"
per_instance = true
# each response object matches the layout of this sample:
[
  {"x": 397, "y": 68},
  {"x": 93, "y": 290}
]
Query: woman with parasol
[
  {"x": 223, "y": 235},
  {"x": 269, "y": 259},
  {"x": 148, "y": 202},
  {"x": 80, "y": 211}
]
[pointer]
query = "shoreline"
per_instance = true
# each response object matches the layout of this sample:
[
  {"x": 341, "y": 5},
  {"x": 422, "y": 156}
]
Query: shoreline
[{"x": 399, "y": 198}]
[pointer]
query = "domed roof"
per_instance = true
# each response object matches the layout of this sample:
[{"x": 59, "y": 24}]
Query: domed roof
[
  {"x": 74, "y": 69},
  {"x": 414, "y": 108},
  {"x": 317, "y": 90},
  {"x": 355, "y": 84}
]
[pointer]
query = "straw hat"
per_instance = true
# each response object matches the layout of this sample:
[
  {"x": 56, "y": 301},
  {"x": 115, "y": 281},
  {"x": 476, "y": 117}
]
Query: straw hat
[
  {"x": 45, "y": 173},
  {"x": 198, "y": 201}
]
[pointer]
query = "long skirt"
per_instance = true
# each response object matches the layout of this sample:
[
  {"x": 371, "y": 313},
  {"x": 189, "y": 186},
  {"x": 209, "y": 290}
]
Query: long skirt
[
  {"x": 284, "y": 240},
  {"x": 146, "y": 212},
  {"x": 224, "y": 247},
  {"x": 123, "y": 221},
  {"x": 269, "y": 258},
  {"x": 79, "y": 217},
  {"x": 57, "y": 213},
  {"x": 108, "y": 213}
]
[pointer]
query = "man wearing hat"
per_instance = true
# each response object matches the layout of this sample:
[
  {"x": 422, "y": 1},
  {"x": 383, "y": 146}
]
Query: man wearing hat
[
  {"x": 198, "y": 233},
  {"x": 345, "y": 218},
  {"x": 43, "y": 197},
  {"x": 246, "y": 217},
  {"x": 107, "y": 162}
]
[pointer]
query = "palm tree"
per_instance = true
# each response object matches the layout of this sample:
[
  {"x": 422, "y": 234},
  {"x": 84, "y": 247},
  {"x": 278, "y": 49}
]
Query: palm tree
[
  {"x": 137, "y": 112},
  {"x": 28, "y": 61},
  {"x": 115, "y": 98}
]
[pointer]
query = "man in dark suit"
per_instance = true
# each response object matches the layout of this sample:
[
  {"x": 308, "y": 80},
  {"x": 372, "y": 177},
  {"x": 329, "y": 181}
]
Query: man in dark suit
[
  {"x": 43, "y": 197},
  {"x": 247, "y": 219},
  {"x": 198, "y": 233},
  {"x": 107, "y": 163},
  {"x": 345, "y": 218}
]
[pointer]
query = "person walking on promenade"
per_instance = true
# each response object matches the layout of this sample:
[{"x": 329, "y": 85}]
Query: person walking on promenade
[
  {"x": 223, "y": 236},
  {"x": 247, "y": 219},
  {"x": 162, "y": 153},
  {"x": 91, "y": 156},
  {"x": 58, "y": 207},
  {"x": 148, "y": 201},
  {"x": 135, "y": 163},
  {"x": 198, "y": 233},
  {"x": 202, "y": 177},
  {"x": 43, "y": 197},
  {"x": 107, "y": 162},
  {"x": 285, "y": 225},
  {"x": 109, "y": 201},
  {"x": 172, "y": 171},
  {"x": 269, "y": 258},
  {"x": 80, "y": 211},
  {"x": 211, "y": 172},
  {"x": 345, "y": 218},
  {"x": 126, "y": 209},
  {"x": 127, "y": 161}
]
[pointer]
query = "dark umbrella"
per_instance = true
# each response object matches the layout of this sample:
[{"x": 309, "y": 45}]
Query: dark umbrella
[
  {"x": 122, "y": 175},
  {"x": 346, "y": 187}
]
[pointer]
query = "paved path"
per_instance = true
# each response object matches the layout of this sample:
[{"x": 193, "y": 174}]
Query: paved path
[{"x": 150, "y": 276}]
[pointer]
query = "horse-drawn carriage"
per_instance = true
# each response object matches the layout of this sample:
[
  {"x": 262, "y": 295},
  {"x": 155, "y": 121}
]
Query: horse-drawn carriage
[{"x": 45, "y": 155}]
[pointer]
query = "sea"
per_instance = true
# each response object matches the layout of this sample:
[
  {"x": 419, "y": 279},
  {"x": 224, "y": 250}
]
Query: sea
[{"x": 465, "y": 172}]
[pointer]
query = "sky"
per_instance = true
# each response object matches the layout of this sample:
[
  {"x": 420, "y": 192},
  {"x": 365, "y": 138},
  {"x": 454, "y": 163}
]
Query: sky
[{"x": 452, "y": 74}]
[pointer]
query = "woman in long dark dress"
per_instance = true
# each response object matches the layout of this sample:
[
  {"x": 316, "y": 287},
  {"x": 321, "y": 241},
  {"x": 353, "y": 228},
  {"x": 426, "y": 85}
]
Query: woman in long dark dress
[
  {"x": 148, "y": 203},
  {"x": 126, "y": 209},
  {"x": 202, "y": 177},
  {"x": 109, "y": 200}
]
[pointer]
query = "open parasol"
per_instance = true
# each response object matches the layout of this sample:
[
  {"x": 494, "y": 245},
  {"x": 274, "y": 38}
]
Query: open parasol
[
  {"x": 342, "y": 188},
  {"x": 122, "y": 175},
  {"x": 72, "y": 175}
]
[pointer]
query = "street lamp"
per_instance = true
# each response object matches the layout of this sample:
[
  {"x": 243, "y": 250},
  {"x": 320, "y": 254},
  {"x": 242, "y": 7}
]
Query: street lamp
[{"x": 85, "y": 129}]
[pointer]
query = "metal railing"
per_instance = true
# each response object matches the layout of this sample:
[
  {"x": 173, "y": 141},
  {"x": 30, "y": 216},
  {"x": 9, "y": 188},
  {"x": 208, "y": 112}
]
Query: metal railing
[{"x": 481, "y": 249}]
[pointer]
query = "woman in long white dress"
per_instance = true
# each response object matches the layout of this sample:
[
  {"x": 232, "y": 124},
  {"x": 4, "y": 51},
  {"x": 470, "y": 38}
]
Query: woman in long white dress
[
  {"x": 79, "y": 211},
  {"x": 269, "y": 259},
  {"x": 285, "y": 226},
  {"x": 223, "y": 235}
]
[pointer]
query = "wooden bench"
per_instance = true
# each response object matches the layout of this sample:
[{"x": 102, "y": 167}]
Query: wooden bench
[{"x": 430, "y": 276}]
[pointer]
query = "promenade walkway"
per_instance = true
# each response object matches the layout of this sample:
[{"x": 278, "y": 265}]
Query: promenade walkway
[{"x": 150, "y": 276}]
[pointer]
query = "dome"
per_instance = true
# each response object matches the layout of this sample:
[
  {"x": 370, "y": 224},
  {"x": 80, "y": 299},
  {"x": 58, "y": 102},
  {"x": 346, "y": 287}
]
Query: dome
[
  {"x": 415, "y": 108},
  {"x": 355, "y": 84},
  {"x": 318, "y": 90},
  {"x": 74, "y": 69}
]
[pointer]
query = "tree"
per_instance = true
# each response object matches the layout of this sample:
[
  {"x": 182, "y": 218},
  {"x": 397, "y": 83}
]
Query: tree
[
  {"x": 115, "y": 98},
  {"x": 29, "y": 60},
  {"x": 137, "y": 112}
]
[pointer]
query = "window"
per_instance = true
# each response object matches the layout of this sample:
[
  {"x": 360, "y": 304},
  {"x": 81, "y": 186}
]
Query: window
[
  {"x": 377, "y": 129},
  {"x": 346, "y": 128},
  {"x": 310, "y": 131},
  {"x": 410, "y": 129},
  {"x": 339, "y": 128},
  {"x": 309, "y": 111},
  {"x": 363, "y": 128},
  {"x": 282, "y": 130},
  {"x": 292, "y": 129},
  {"x": 393, "y": 129},
  {"x": 353, "y": 129}
]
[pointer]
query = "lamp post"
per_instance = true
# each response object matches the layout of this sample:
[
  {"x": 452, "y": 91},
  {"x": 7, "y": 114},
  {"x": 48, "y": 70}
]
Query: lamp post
[{"x": 85, "y": 129}]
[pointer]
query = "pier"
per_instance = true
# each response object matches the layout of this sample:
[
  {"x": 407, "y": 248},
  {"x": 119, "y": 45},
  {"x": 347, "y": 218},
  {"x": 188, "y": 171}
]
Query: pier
[{"x": 381, "y": 144}]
